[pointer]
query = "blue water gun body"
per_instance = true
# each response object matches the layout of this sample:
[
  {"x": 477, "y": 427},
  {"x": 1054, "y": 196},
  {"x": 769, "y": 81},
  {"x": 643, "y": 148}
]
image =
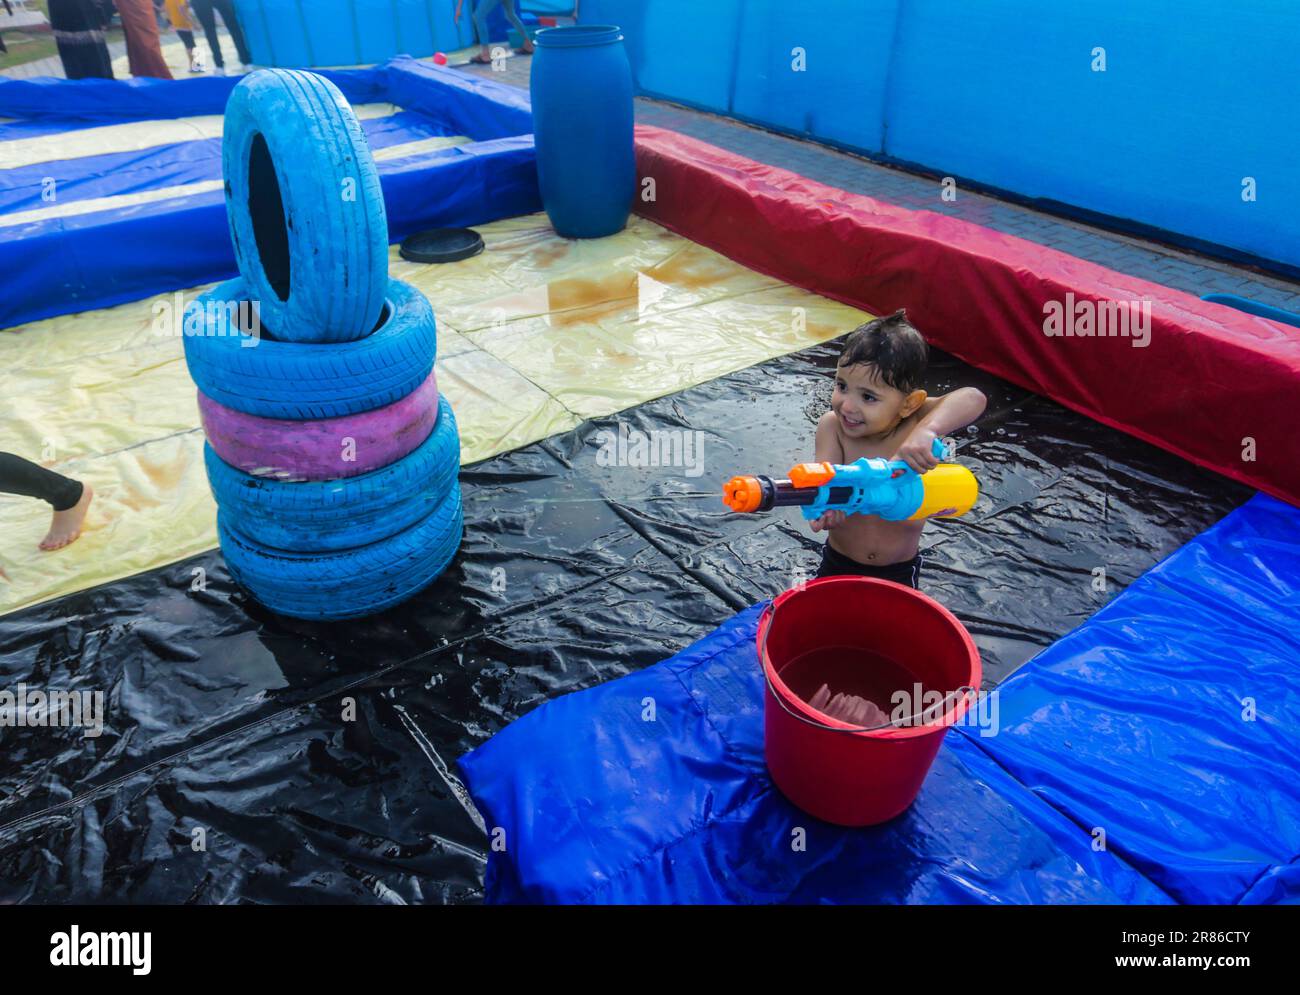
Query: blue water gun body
[{"x": 889, "y": 489}]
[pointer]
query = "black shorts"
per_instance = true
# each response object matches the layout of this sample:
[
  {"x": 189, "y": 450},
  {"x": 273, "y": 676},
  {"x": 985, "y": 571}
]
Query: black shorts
[{"x": 836, "y": 564}]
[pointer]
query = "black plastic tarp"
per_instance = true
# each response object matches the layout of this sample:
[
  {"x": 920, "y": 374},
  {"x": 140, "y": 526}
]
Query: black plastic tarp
[{"x": 250, "y": 758}]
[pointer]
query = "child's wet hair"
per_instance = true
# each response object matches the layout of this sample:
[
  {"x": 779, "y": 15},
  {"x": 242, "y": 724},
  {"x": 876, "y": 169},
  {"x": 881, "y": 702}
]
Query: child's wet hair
[{"x": 893, "y": 346}]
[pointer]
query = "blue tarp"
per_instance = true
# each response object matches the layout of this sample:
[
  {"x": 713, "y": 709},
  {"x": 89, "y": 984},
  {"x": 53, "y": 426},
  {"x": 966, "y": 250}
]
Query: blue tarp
[
  {"x": 1171, "y": 719},
  {"x": 652, "y": 788},
  {"x": 82, "y": 261}
]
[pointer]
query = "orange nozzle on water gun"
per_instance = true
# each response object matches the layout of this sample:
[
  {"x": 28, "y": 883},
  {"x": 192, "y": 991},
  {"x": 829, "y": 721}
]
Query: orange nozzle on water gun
[
  {"x": 743, "y": 494},
  {"x": 752, "y": 493}
]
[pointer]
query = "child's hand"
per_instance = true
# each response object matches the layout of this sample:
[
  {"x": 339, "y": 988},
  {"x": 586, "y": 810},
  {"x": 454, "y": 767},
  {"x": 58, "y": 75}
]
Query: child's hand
[
  {"x": 830, "y": 520},
  {"x": 916, "y": 451}
]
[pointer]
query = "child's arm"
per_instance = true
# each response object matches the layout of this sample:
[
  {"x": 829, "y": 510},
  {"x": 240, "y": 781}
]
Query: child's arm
[
  {"x": 937, "y": 417},
  {"x": 827, "y": 449}
]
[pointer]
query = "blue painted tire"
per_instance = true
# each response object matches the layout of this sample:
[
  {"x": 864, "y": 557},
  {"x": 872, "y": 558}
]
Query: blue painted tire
[
  {"x": 301, "y": 381},
  {"x": 305, "y": 207},
  {"x": 351, "y": 583},
  {"x": 331, "y": 515}
]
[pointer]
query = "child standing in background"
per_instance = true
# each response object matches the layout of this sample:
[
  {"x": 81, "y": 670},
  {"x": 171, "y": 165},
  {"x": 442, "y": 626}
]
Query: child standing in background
[
  {"x": 178, "y": 12},
  {"x": 481, "y": 10}
]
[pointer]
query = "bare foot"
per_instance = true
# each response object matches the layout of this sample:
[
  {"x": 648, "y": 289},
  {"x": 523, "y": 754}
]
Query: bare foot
[{"x": 66, "y": 525}]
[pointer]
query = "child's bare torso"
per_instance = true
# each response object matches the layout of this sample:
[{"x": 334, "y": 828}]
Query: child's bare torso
[{"x": 867, "y": 538}]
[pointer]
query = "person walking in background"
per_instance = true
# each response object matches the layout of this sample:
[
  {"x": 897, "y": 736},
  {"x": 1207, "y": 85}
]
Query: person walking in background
[
  {"x": 78, "y": 30},
  {"x": 178, "y": 12},
  {"x": 481, "y": 10},
  {"x": 69, "y": 498},
  {"x": 140, "y": 24},
  {"x": 206, "y": 12}
]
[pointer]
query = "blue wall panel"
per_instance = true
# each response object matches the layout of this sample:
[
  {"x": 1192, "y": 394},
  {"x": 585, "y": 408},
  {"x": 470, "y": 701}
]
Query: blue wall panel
[
  {"x": 1195, "y": 96},
  {"x": 1164, "y": 136},
  {"x": 303, "y": 33},
  {"x": 838, "y": 92}
]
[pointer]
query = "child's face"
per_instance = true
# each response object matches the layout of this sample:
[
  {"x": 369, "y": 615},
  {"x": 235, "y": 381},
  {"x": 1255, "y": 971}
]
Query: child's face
[{"x": 865, "y": 405}]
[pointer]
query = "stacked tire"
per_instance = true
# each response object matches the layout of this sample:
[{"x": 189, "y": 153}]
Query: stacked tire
[{"x": 330, "y": 453}]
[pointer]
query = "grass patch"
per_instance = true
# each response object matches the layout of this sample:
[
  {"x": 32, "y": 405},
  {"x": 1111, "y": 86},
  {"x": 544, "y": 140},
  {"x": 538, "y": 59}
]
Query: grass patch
[{"x": 31, "y": 46}]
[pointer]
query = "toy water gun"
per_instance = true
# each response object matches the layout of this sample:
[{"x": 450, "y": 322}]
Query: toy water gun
[{"x": 888, "y": 488}]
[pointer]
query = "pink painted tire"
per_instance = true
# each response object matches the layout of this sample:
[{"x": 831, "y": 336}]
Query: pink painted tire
[{"x": 316, "y": 450}]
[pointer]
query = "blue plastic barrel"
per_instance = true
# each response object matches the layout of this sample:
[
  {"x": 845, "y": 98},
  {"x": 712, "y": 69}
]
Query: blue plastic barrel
[{"x": 582, "y": 121}]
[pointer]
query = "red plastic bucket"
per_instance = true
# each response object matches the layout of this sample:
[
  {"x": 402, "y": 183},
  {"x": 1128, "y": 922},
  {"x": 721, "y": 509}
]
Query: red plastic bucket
[{"x": 870, "y": 638}]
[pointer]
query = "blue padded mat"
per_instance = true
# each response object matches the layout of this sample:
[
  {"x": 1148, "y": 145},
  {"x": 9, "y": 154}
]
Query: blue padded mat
[
  {"x": 1133, "y": 722},
  {"x": 652, "y": 788},
  {"x": 598, "y": 804}
]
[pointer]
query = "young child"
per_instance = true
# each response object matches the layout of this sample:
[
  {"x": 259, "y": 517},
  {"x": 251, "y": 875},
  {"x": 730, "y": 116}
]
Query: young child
[
  {"x": 178, "y": 13},
  {"x": 879, "y": 409}
]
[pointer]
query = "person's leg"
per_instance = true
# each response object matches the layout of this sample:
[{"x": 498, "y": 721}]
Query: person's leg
[
  {"x": 20, "y": 476},
  {"x": 192, "y": 56},
  {"x": 203, "y": 10},
  {"x": 140, "y": 25},
  {"x": 513, "y": 16},
  {"x": 69, "y": 498},
  {"x": 481, "y": 10},
  {"x": 77, "y": 28},
  {"x": 231, "y": 19}
]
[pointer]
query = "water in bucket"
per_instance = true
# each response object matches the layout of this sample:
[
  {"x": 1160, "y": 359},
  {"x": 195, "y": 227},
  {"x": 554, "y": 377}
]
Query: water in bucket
[{"x": 850, "y": 684}]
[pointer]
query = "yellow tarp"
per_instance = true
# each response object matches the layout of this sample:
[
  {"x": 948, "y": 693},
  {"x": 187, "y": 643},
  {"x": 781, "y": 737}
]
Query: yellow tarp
[{"x": 535, "y": 334}]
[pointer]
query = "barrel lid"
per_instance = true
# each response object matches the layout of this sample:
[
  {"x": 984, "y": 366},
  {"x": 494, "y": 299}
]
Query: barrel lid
[
  {"x": 578, "y": 35},
  {"x": 441, "y": 245}
]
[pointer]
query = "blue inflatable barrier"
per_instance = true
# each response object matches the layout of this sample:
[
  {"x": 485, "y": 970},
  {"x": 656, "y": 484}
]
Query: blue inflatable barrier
[
  {"x": 175, "y": 164},
  {"x": 99, "y": 101},
  {"x": 77, "y": 261},
  {"x": 653, "y": 788}
]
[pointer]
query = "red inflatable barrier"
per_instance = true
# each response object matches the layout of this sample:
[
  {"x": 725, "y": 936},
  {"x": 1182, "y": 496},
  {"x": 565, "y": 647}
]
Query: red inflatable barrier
[{"x": 1213, "y": 385}]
